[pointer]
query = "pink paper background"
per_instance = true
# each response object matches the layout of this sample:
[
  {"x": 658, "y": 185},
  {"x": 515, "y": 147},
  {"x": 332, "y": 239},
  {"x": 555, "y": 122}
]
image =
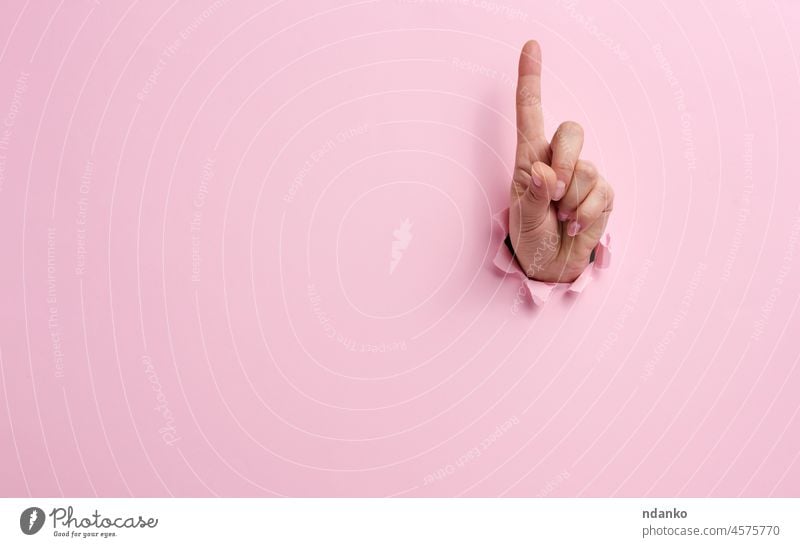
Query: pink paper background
[{"x": 197, "y": 207}]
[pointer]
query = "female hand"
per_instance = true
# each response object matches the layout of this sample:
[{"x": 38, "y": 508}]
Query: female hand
[{"x": 559, "y": 203}]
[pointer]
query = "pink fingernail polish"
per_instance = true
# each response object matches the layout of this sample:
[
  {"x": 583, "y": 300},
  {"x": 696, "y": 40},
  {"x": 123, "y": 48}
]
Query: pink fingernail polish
[
  {"x": 560, "y": 189},
  {"x": 573, "y": 228},
  {"x": 536, "y": 180},
  {"x": 562, "y": 216}
]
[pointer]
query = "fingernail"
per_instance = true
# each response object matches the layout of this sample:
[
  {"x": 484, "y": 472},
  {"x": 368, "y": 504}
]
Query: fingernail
[
  {"x": 563, "y": 215},
  {"x": 560, "y": 189},
  {"x": 536, "y": 180},
  {"x": 573, "y": 228}
]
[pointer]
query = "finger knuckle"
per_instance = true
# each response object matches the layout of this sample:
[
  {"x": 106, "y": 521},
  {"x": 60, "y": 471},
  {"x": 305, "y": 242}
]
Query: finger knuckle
[
  {"x": 571, "y": 127},
  {"x": 606, "y": 195},
  {"x": 609, "y": 197},
  {"x": 586, "y": 169},
  {"x": 521, "y": 174},
  {"x": 567, "y": 147},
  {"x": 563, "y": 165},
  {"x": 522, "y": 158},
  {"x": 530, "y": 195},
  {"x": 527, "y": 96}
]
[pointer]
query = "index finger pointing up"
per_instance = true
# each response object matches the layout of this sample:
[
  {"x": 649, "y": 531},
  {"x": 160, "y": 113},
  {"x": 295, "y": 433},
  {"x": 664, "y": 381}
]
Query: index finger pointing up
[{"x": 530, "y": 121}]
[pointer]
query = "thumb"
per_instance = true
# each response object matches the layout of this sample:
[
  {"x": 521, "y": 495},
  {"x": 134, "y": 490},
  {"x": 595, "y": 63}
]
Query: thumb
[{"x": 534, "y": 203}]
